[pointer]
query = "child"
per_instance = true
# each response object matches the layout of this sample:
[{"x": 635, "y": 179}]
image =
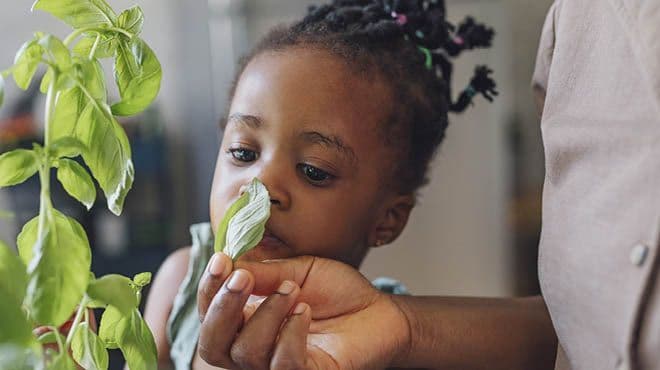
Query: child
[{"x": 339, "y": 116}]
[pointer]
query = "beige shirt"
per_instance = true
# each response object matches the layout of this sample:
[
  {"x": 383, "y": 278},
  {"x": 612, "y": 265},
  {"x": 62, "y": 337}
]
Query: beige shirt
[{"x": 599, "y": 66}]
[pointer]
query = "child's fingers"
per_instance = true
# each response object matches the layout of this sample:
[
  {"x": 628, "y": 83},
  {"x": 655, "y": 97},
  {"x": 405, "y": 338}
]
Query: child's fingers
[
  {"x": 224, "y": 319},
  {"x": 291, "y": 350},
  {"x": 254, "y": 345},
  {"x": 217, "y": 270}
]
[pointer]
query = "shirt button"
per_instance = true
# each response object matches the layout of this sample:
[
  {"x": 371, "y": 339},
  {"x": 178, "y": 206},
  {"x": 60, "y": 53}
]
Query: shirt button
[
  {"x": 638, "y": 254},
  {"x": 622, "y": 364}
]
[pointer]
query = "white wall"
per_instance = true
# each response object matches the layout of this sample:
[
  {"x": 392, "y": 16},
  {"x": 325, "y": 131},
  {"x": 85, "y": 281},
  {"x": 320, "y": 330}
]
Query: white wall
[{"x": 457, "y": 241}]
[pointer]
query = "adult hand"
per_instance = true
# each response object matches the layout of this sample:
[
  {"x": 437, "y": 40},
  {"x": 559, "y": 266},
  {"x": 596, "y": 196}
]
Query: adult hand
[{"x": 318, "y": 314}]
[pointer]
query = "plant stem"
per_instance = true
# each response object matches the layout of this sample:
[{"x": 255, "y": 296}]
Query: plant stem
[
  {"x": 45, "y": 204},
  {"x": 99, "y": 30},
  {"x": 96, "y": 44},
  {"x": 50, "y": 100},
  {"x": 76, "y": 320},
  {"x": 60, "y": 345}
]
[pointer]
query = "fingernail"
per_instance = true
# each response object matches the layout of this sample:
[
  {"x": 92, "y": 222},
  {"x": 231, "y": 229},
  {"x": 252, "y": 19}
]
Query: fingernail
[
  {"x": 238, "y": 281},
  {"x": 286, "y": 287},
  {"x": 216, "y": 266},
  {"x": 300, "y": 309}
]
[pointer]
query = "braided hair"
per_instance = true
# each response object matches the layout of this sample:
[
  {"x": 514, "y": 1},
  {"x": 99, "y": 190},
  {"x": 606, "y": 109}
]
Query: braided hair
[{"x": 408, "y": 43}]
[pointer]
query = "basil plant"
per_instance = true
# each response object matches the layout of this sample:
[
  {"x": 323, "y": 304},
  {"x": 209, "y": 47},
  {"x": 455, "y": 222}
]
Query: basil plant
[{"x": 49, "y": 282}]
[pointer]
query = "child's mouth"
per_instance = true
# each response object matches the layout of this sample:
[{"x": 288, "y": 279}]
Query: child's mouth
[{"x": 270, "y": 241}]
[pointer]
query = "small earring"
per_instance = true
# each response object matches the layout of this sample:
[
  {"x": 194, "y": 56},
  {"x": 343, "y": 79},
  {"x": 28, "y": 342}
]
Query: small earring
[{"x": 379, "y": 242}]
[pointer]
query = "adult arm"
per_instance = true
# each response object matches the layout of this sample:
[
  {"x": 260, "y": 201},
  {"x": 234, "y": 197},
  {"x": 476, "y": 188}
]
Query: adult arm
[{"x": 332, "y": 318}]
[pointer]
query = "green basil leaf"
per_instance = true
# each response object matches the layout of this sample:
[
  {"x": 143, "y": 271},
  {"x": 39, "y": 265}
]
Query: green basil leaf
[
  {"x": 105, "y": 49},
  {"x": 79, "y": 13},
  {"x": 64, "y": 81},
  {"x": 109, "y": 155},
  {"x": 17, "y": 166},
  {"x": 88, "y": 350},
  {"x": 13, "y": 357},
  {"x": 246, "y": 228},
  {"x": 114, "y": 290},
  {"x": 66, "y": 146},
  {"x": 58, "y": 267},
  {"x": 77, "y": 182},
  {"x": 137, "y": 343},
  {"x": 137, "y": 74},
  {"x": 45, "y": 81},
  {"x": 142, "y": 279},
  {"x": 70, "y": 103},
  {"x": 93, "y": 78},
  {"x": 108, "y": 327},
  {"x": 26, "y": 63},
  {"x": 221, "y": 231},
  {"x": 13, "y": 275},
  {"x": 51, "y": 337},
  {"x": 131, "y": 20},
  {"x": 55, "y": 51},
  {"x": 14, "y": 327}
]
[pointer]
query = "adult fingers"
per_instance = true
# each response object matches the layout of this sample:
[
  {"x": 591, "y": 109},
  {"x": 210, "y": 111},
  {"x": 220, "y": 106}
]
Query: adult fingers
[
  {"x": 217, "y": 270},
  {"x": 291, "y": 349},
  {"x": 254, "y": 345},
  {"x": 270, "y": 274},
  {"x": 224, "y": 319}
]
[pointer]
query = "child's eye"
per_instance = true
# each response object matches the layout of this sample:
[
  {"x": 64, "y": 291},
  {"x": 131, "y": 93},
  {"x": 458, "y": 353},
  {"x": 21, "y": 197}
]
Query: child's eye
[
  {"x": 243, "y": 155},
  {"x": 314, "y": 175}
]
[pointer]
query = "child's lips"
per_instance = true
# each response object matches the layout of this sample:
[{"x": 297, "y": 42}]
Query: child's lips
[{"x": 270, "y": 241}]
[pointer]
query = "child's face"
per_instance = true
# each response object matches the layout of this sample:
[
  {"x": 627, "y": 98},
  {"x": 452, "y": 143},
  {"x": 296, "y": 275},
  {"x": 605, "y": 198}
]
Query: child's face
[{"x": 311, "y": 130}]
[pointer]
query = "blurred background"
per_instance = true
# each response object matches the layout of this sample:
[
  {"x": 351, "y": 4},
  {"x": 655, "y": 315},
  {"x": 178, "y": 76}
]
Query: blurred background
[{"x": 475, "y": 231}]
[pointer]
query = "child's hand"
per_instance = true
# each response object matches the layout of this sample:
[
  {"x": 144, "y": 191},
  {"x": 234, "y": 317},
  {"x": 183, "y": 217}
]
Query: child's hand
[{"x": 319, "y": 314}]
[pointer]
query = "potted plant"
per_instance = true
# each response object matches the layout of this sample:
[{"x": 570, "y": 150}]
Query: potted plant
[{"x": 50, "y": 281}]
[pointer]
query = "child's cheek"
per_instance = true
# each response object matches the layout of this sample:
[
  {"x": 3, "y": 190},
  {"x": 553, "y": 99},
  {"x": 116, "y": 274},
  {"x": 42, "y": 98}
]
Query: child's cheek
[{"x": 223, "y": 192}]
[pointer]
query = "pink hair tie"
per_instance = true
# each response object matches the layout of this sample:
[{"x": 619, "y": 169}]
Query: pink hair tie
[
  {"x": 459, "y": 40},
  {"x": 401, "y": 19}
]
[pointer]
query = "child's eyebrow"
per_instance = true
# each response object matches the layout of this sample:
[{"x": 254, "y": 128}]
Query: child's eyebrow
[
  {"x": 253, "y": 122},
  {"x": 330, "y": 141}
]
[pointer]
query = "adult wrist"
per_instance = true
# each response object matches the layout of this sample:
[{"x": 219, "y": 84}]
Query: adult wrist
[{"x": 405, "y": 341}]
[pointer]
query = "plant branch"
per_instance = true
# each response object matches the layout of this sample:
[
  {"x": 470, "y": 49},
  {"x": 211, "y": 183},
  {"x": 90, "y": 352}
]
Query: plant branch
[
  {"x": 45, "y": 204},
  {"x": 99, "y": 30},
  {"x": 50, "y": 100},
  {"x": 81, "y": 308},
  {"x": 96, "y": 44},
  {"x": 60, "y": 345}
]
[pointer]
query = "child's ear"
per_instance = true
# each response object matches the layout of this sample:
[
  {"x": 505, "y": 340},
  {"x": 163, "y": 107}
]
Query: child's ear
[{"x": 391, "y": 220}]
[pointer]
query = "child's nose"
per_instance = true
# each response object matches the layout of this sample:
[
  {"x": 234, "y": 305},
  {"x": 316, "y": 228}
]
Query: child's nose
[{"x": 276, "y": 180}]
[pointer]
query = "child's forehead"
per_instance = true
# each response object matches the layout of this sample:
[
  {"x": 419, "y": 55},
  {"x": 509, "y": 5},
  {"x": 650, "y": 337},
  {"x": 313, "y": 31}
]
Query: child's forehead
[
  {"x": 313, "y": 76},
  {"x": 310, "y": 86}
]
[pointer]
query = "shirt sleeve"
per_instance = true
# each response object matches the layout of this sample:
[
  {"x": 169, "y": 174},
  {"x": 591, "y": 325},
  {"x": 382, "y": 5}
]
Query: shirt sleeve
[{"x": 544, "y": 58}]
